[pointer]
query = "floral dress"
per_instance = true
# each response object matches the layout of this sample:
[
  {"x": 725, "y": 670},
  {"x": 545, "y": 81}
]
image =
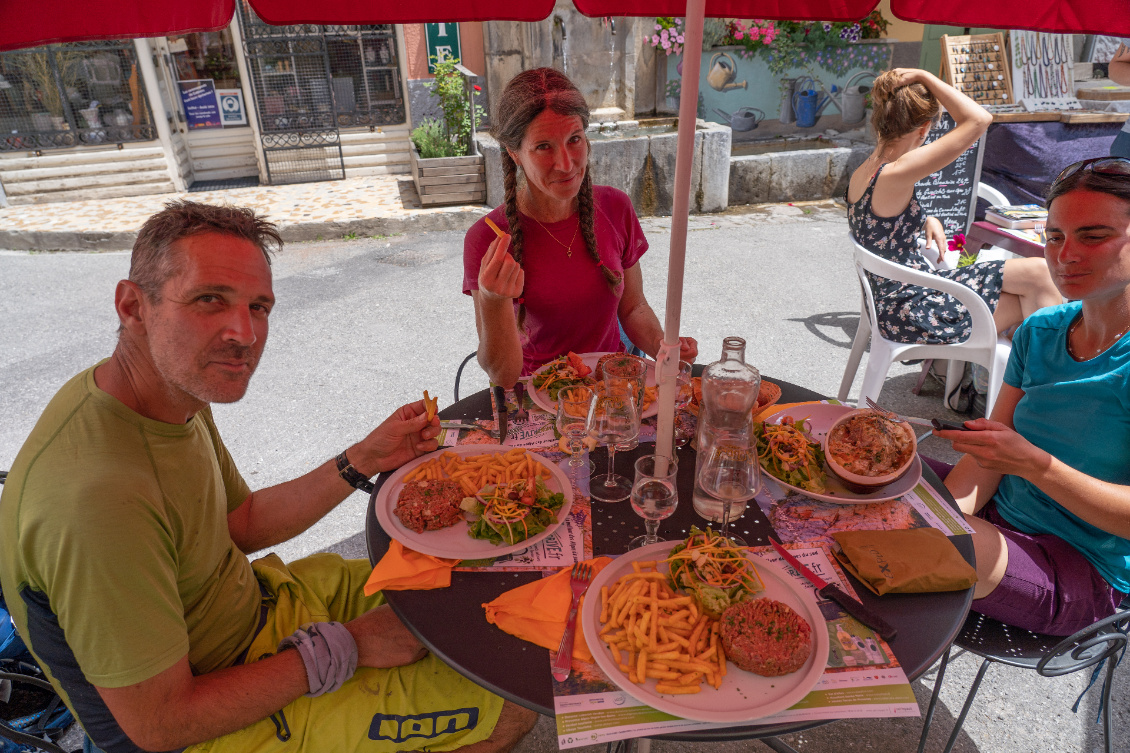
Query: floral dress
[{"x": 909, "y": 313}]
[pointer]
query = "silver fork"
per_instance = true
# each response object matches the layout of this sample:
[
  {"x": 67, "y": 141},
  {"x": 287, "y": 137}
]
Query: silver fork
[
  {"x": 881, "y": 410},
  {"x": 520, "y": 393},
  {"x": 579, "y": 581}
]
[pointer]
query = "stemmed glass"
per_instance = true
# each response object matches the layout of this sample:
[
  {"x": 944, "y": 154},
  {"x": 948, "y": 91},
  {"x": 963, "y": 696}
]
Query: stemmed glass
[
  {"x": 730, "y": 474},
  {"x": 654, "y": 495},
  {"x": 572, "y": 422},
  {"x": 612, "y": 420},
  {"x": 684, "y": 393},
  {"x": 632, "y": 371}
]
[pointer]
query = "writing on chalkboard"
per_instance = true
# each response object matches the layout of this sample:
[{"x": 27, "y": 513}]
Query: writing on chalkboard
[{"x": 951, "y": 193}]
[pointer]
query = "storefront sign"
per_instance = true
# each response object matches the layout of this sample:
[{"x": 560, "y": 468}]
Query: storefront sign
[
  {"x": 443, "y": 43},
  {"x": 201, "y": 108},
  {"x": 231, "y": 107}
]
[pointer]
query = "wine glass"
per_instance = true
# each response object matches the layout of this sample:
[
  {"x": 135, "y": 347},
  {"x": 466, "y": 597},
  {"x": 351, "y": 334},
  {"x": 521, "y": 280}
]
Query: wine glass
[
  {"x": 729, "y": 474},
  {"x": 612, "y": 419},
  {"x": 630, "y": 370},
  {"x": 684, "y": 393},
  {"x": 572, "y": 422},
  {"x": 654, "y": 495}
]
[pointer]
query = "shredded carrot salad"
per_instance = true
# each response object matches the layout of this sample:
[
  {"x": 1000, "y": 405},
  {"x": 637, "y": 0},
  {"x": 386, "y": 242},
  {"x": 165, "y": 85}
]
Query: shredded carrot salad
[{"x": 717, "y": 562}]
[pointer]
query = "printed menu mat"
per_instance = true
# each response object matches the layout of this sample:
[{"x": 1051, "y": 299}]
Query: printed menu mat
[{"x": 862, "y": 678}]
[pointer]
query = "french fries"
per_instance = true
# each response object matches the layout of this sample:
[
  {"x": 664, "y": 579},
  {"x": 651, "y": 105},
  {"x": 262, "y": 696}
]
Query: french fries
[
  {"x": 431, "y": 406},
  {"x": 663, "y": 634},
  {"x": 494, "y": 227},
  {"x": 473, "y": 472}
]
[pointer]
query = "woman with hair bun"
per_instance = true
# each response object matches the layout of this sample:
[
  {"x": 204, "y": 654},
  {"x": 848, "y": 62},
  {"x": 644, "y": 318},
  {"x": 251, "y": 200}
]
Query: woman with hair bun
[
  {"x": 564, "y": 273},
  {"x": 885, "y": 217}
]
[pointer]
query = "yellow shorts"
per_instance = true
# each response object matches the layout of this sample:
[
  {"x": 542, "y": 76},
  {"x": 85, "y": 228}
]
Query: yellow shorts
[{"x": 424, "y": 706}]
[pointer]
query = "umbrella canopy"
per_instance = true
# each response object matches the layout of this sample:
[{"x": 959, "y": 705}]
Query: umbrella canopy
[{"x": 30, "y": 24}]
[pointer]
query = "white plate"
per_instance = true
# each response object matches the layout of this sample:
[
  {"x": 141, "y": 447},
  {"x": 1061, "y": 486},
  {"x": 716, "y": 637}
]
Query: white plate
[
  {"x": 541, "y": 397},
  {"x": 454, "y": 542},
  {"x": 820, "y": 417},
  {"x": 743, "y": 695}
]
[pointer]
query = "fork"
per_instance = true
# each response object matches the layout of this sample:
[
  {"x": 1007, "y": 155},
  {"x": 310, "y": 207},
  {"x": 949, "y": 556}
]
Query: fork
[
  {"x": 579, "y": 581},
  {"x": 520, "y": 394},
  {"x": 881, "y": 410}
]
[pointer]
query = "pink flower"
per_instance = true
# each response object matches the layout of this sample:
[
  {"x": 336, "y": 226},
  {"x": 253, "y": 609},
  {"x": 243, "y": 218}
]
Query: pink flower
[
  {"x": 680, "y": 39},
  {"x": 737, "y": 35},
  {"x": 666, "y": 43},
  {"x": 654, "y": 40},
  {"x": 658, "y": 27},
  {"x": 957, "y": 243}
]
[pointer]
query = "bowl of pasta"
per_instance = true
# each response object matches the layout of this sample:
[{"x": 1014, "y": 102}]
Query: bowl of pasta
[{"x": 867, "y": 450}]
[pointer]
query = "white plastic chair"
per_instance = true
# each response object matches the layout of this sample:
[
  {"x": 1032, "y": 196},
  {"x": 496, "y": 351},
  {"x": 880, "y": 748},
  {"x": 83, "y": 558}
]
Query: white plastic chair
[{"x": 983, "y": 346}]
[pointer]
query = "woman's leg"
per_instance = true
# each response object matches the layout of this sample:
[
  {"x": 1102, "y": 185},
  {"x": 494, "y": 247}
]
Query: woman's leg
[
  {"x": 1026, "y": 286},
  {"x": 992, "y": 555}
]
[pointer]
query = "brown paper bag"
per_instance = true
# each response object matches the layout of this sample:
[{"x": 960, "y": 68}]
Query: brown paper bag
[{"x": 921, "y": 560}]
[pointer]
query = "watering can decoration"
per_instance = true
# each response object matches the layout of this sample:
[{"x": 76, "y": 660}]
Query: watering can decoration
[
  {"x": 722, "y": 73},
  {"x": 852, "y": 99},
  {"x": 744, "y": 119},
  {"x": 807, "y": 102}
]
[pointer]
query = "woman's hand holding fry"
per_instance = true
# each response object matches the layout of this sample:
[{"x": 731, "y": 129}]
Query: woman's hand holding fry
[{"x": 500, "y": 276}]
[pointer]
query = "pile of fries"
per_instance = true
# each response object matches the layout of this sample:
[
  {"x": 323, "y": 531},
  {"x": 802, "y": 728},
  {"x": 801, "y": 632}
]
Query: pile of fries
[
  {"x": 473, "y": 472},
  {"x": 579, "y": 393},
  {"x": 664, "y": 635}
]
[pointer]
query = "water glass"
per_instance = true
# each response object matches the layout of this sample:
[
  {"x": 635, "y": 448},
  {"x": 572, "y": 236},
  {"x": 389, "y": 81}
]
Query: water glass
[
  {"x": 631, "y": 370},
  {"x": 572, "y": 423},
  {"x": 684, "y": 393},
  {"x": 654, "y": 495},
  {"x": 729, "y": 474},
  {"x": 612, "y": 420}
]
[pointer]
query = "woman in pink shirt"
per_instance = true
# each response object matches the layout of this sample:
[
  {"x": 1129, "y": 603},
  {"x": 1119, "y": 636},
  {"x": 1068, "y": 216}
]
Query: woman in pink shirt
[{"x": 566, "y": 271}]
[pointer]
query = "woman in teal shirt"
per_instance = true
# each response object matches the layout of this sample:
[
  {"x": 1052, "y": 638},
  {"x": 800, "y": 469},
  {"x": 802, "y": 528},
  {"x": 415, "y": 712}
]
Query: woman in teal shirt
[{"x": 1045, "y": 482}]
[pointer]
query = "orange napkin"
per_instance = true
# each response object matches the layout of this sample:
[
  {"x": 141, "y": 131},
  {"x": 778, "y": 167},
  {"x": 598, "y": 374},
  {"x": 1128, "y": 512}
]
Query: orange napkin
[
  {"x": 536, "y": 612},
  {"x": 405, "y": 570},
  {"x": 779, "y": 407}
]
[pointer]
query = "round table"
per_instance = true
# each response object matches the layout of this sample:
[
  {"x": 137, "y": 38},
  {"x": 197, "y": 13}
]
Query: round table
[{"x": 452, "y": 624}]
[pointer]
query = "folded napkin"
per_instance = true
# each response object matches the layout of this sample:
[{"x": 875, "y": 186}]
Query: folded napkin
[
  {"x": 536, "y": 612},
  {"x": 778, "y": 407},
  {"x": 405, "y": 570},
  {"x": 921, "y": 560}
]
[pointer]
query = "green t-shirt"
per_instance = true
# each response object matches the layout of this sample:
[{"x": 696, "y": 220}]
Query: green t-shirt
[{"x": 119, "y": 524}]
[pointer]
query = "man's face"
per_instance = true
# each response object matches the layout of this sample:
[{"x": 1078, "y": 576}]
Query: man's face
[{"x": 207, "y": 331}]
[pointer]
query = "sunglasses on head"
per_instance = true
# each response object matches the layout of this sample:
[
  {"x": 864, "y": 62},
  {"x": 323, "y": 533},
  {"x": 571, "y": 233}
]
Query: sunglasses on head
[{"x": 1100, "y": 165}]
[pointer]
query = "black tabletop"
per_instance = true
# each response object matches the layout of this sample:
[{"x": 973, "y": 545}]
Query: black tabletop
[{"x": 452, "y": 624}]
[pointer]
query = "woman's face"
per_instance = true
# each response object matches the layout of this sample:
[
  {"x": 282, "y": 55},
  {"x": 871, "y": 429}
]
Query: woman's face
[
  {"x": 553, "y": 155},
  {"x": 1088, "y": 247}
]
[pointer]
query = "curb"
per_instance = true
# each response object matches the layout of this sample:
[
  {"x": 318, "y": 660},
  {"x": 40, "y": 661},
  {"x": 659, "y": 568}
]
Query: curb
[{"x": 95, "y": 241}]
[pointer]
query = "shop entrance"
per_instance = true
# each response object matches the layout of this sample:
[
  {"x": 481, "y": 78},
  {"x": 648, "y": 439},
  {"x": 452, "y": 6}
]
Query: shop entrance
[{"x": 290, "y": 77}]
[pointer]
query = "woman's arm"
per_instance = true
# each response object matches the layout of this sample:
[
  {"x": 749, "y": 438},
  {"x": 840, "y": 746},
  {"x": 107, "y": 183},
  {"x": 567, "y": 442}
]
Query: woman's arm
[
  {"x": 997, "y": 448},
  {"x": 1119, "y": 70},
  {"x": 971, "y": 484},
  {"x": 639, "y": 321},
  {"x": 501, "y": 280}
]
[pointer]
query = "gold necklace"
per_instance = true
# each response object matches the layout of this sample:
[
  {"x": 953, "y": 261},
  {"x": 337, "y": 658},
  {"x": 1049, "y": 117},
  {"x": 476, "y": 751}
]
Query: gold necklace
[
  {"x": 569, "y": 247},
  {"x": 1071, "y": 351}
]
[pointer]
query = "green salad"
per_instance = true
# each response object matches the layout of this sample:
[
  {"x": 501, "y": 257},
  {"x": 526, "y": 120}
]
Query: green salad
[
  {"x": 512, "y": 512},
  {"x": 787, "y": 453},
  {"x": 708, "y": 565}
]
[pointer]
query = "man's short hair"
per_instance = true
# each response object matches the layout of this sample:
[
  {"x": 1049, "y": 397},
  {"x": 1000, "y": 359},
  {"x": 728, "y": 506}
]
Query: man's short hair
[{"x": 152, "y": 263}]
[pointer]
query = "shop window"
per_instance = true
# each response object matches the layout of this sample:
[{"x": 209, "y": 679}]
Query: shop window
[
  {"x": 81, "y": 93},
  {"x": 365, "y": 74},
  {"x": 208, "y": 79}
]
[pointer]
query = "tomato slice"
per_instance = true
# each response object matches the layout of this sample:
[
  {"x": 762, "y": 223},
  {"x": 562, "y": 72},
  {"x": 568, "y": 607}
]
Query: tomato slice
[{"x": 578, "y": 365}]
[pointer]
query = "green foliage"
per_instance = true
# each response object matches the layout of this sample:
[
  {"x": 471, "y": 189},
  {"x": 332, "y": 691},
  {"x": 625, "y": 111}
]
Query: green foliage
[
  {"x": 966, "y": 259},
  {"x": 450, "y": 137}
]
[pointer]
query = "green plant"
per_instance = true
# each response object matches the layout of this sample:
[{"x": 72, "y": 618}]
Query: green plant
[
  {"x": 432, "y": 141},
  {"x": 460, "y": 112}
]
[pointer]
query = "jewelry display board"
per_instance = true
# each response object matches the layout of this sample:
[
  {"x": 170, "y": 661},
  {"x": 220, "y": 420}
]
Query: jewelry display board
[
  {"x": 977, "y": 66},
  {"x": 1043, "y": 67}
]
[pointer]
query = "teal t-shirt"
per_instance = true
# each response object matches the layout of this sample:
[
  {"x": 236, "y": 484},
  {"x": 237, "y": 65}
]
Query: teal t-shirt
[{"x": 1080, "y": 413}]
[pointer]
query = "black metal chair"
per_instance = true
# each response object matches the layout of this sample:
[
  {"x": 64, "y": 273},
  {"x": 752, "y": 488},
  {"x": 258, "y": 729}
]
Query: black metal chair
[
  {"x": 459, "y": 374},
  {"x": 1050, "y": 655}
]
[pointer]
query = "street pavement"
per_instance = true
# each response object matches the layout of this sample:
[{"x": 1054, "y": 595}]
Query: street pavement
[{"x": 364, "y": 325}]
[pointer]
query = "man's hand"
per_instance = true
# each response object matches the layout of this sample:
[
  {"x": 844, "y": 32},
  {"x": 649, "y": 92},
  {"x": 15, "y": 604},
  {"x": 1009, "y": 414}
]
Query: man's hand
[
  {"x": 383, "y": 641},
  {"x": 500, "y": 277},
  {"x": 935, "y": 234},
  {"x": 403, "y": 436},
  {"x": 998, "y": 448}
]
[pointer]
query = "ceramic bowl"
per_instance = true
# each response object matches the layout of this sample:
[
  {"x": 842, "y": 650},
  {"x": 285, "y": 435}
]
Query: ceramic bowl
[{"x": 860, "y": 483}]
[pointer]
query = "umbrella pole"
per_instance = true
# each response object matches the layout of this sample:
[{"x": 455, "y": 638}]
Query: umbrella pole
[{"x": 667, "y": 360}]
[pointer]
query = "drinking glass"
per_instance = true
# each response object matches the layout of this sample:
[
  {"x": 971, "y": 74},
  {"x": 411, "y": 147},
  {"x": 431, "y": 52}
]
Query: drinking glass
[
  {"x": 684, "y": 393},
  {"x": 654, "y": 495},
  {"x": 572, "y": 422},
  {"x": 612, "y": 420},
  {"x": 729, "y": 474},
  {"x": 631, "y": 370}
]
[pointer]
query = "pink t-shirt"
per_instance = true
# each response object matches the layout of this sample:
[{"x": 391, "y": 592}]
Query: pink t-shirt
[{"x": 569, "y": 305}]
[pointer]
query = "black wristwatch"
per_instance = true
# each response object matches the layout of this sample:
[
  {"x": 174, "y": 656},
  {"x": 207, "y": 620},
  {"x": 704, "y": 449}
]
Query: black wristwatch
[{"x": 352, "y": 476}]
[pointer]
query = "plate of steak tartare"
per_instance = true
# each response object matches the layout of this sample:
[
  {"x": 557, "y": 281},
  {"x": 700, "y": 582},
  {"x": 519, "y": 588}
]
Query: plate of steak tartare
[
  {"x": 427, "y": 519},
  {"x": 743, "y": 696}
]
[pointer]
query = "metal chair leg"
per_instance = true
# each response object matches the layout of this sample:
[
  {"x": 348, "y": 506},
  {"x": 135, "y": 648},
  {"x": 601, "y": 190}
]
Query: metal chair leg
[
  {"x": 968, "y": 703},
  {"x": 778, "y": 745},
  {"x": 1107, "y": 687},
  {"x": 934, "y": 699},
  {"x": 459, "y": 374}
]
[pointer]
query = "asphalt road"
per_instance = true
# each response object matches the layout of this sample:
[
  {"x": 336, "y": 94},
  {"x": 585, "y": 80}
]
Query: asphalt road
[{"x": 362, "y": 326}]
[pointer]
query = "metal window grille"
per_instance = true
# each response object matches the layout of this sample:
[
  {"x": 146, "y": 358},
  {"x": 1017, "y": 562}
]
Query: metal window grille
[
  {"x": 80, "y": 93},
  {"x": 366, "y": 75}
]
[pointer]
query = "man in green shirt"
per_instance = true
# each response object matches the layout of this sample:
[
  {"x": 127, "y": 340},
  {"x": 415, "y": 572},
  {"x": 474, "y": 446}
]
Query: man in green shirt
[{"x": 124, "y": 523}]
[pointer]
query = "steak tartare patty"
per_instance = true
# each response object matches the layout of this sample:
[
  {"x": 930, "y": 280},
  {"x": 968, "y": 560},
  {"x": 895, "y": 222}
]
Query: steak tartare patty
[
  {"x": 430, "y": 505},
  {"x": 765, "y": 637}
]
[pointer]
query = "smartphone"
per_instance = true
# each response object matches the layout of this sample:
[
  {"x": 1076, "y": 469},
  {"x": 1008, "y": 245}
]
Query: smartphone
[{"x": 947, "y": 426}]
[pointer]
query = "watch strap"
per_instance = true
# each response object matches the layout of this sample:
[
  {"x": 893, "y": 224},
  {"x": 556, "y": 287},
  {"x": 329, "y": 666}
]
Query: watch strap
[{"x": 352, "y": 476}]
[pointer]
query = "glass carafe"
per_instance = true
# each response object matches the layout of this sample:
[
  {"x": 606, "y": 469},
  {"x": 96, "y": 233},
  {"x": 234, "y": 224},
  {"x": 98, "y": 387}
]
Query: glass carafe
[{"x": 727, "y": 474}]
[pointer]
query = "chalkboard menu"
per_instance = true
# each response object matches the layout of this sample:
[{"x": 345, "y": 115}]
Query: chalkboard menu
[{"x": 951, "y": 193}]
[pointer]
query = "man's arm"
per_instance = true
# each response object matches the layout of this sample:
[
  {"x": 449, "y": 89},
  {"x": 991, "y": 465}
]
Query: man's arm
[
  {"x": 1119, "y": 69},
  {"x": 175, "y": 708},
  {"x": 281, "y": 512}
]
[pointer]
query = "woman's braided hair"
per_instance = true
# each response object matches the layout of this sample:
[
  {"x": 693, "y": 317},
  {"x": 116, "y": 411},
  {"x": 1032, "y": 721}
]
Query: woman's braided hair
[{"x": 526, "y": 96}]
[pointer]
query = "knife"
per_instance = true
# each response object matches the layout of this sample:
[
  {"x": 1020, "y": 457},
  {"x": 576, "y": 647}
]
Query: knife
[
  {"x": 500, "y": 412},
  {"x": 836, "y": 594}
]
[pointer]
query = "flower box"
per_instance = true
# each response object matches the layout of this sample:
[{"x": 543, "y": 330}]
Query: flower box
[{"x": 449, "y": 180}]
